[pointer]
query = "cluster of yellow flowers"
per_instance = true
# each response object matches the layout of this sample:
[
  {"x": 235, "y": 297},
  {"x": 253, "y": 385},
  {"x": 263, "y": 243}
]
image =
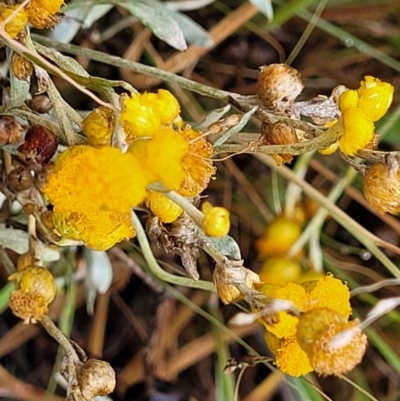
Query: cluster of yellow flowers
[
  {"x": 93, "y": 187},
  {"x": 41, "y": 14},
  {"x": 321, "y": 338},
  {"x": 360, "y": 109}
]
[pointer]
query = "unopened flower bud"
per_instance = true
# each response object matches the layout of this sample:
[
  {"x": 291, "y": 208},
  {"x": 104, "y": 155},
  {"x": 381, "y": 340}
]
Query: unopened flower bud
[
  {"x": 278, "y": 85},
  {"x": 98, "y": 126},
  {"x": 96, "y": 378},
  {"x": 216, "y": 222},
  {"x": 279, "y": 133},
  {"x": 41, "y": 104},
  {"x": 382, "y": 188},
  {"x": 164, "y": 208}
]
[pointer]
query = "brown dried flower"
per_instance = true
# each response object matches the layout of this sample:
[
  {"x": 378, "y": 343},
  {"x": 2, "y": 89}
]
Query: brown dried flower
[
  {"x": 96, "y": 378},
  {"x": 21, "y": 67},
  {"x": 278, "y": 85},
  {"x": 382, "y": 188},
  {"x": 279, "y": 133}
]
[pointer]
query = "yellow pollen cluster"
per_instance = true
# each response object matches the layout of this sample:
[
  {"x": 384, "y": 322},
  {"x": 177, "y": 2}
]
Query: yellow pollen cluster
[{"x": 360, "y": 109}]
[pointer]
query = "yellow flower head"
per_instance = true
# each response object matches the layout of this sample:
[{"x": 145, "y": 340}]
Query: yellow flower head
[
  {"x": 18, "y": 22},
  {"x": 286, "y": 327},
  {"x": 197, "y": 163},
  {"x": 375, "y": 97},
  {"x": 333, "y": 344},
  {"x": 98, "y": 126},
  {"x": 331, "y": 293},
  {"x": 162, "y": 207},
  {"x": 97, "y": 230},
  {"x": 216, "y": 222},
  {"x": 360, "y": 109},
  {"x": 42, "y": 14},
  {"x": 143, "y": 115},
  {"x": 34, "y": 290},
  {"x": 291, "y": 358},
  {"x": 95, "y": 179},
  {"x": 339, "y": 348}
]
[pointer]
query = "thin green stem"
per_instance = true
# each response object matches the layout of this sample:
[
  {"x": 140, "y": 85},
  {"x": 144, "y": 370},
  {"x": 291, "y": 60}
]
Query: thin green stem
[{"x": 134, "y": 66}]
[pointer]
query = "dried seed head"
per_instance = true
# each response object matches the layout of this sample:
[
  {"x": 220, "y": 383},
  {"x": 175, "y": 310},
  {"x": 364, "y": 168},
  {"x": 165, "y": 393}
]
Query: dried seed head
[
  {"x": 96, "y": 378},
  {"x": 11, "y": 132},
  {"x": 278, "y": 85},
  {"x": 21, "y": 67},
  {"x": 279, "y": 133},
  {"x": 39, "y": 147},
  {"x": 382, "y": 188},
  {"x": 20, "y": 178},
  {"x": 41, "y": 104}
]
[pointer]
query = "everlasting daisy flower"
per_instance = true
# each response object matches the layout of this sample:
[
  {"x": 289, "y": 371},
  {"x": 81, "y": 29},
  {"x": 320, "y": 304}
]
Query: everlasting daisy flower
[
  {"x": 95, "y": 179},
  {"x": 17, "y": 23},
  {"x": 42, "y": 14},
  {"x": 360, "y": 109},
  {"x": 34, "y": 290},
  {"x": 333, "y": 344}
]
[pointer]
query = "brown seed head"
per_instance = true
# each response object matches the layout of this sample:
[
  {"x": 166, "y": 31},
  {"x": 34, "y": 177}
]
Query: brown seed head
[
  {"x": 39, "y": 147},
  {"x": 96, "y": 378},
  {"x": 41, "y": 104},
  {"x": 382, "y": 188},
  {"x": 19, "y": 178},
  {"x": 279, "y": 133},
  {"x": 10, "y": 131},
  {"x": 278, "y": 85}
]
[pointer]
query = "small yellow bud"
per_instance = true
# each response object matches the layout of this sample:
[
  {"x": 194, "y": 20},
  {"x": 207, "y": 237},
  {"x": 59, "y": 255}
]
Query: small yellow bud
[
  {"x": 98, "y": 126},
  {"x": 216, "y": 222},
  {"x": 164, "y": 208}
]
